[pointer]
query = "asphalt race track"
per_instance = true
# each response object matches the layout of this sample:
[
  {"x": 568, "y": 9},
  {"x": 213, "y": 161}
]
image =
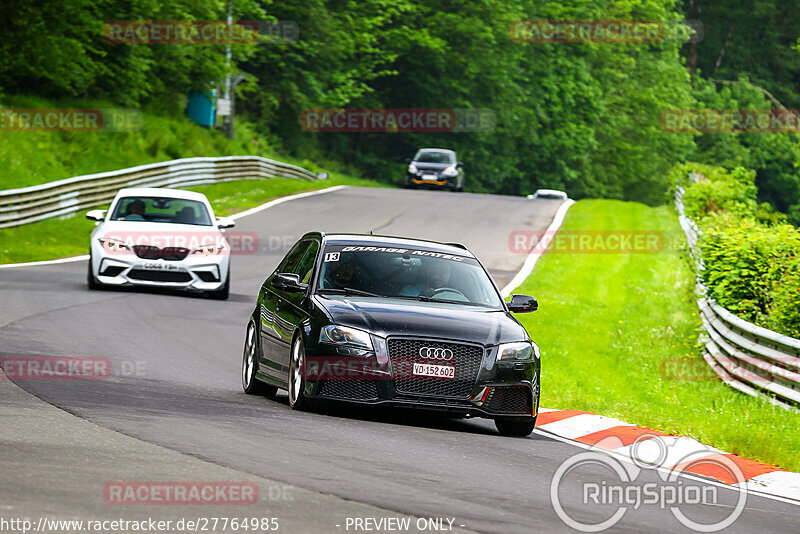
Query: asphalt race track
[{"x": 176, "y": 389}]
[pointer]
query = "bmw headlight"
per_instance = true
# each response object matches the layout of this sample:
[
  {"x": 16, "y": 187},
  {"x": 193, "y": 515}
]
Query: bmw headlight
[
  {"x": 523, "y": 350},
  {"x": 412, "y": 169},
  {"x": 343, "y": 335},
  {"x": 113, "y": 245},
  {"x": 209, "y": 250},
  {"x": 450, "y": 171}
]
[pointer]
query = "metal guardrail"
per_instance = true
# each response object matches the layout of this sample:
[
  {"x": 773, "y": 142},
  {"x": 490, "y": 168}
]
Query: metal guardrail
[
  {"x": 752, "y": 359},
  {"x": 64, "y": 197}
]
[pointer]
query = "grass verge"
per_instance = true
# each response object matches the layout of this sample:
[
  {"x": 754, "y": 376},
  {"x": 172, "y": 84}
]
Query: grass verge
[
  {"x": 31, "y": 158},
  {"x": 60, "y": 238},
  {"x": 611, "y": 325}
]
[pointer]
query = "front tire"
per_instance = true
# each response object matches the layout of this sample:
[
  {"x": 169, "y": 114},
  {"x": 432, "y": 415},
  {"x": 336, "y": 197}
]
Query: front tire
[
  {"x": 297, "y": 379},
  {"x": 224, "y": 292},
  {"x": 91, "y": 281},
  {"x": 250, "y": 384},
  {"x": 518, "y": 427}
]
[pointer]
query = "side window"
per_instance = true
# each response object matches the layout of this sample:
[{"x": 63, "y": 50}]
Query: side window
[
  {"x": 306, "y": 266},
  {"x": 292, "y": 260}
]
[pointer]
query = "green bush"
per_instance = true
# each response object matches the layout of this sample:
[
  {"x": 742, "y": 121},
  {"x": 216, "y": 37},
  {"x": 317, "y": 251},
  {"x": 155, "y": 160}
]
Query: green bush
[
  {"x": 751, "y": 255},
  {"x": 745, "y": 262}
]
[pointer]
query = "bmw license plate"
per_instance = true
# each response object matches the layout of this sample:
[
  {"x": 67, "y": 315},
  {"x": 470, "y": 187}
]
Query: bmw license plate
[
  {"x": 154, "y": 266},
  {"x": 429, "y": 177},
  {"x": 437, "y": 371}
]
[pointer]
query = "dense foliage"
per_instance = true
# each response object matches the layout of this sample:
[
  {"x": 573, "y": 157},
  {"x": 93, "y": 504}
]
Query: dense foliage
[
  {"x": 751, "y": 256},
  {"x": 584, "y": 117}
]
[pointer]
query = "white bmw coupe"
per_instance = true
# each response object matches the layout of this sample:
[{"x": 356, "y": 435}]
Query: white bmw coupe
[{"x": 165, "y": 238}]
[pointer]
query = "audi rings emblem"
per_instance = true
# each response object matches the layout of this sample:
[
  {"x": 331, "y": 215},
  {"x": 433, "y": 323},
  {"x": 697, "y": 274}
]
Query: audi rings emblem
[{"x": 436, "y": 354}]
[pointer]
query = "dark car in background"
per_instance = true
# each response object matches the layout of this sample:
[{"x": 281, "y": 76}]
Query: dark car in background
[
  {"x": 392, "y": 321},
  {"x": 435, "y": 167}
]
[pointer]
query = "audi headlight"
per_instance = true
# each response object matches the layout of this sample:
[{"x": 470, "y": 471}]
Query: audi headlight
[
  {"x": 524, "y": 350},
  {"x": 412, "y": 169},
  {"x": 450, "y": 171},
  {"x": 113, "y": 245},
  {"x": 209, "y": 250},
  {"x": 343, "y": 335}
]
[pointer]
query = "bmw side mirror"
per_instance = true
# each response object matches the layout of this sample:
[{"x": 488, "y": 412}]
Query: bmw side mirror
[
  {"x": 289, "y": 282},
  {"x": 96, "y": 215},
  {"x": 225, "y": 222},
  {"x": 460, "y": 164},
  {"x": 523, "y": 304}
]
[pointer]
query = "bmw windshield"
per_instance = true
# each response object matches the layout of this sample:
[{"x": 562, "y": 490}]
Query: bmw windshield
[{"x": 406, "y": 273}]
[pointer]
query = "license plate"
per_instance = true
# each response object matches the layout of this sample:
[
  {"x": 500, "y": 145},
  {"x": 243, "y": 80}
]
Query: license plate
[
  {"x": 429, "y": 177},
  {"x": 438, "y": 371},
  {"x": 153, "y": 266}
]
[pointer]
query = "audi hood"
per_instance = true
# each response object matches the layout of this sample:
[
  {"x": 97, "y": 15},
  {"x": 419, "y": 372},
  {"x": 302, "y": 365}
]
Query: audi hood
[{"x": 390, "y": 316}]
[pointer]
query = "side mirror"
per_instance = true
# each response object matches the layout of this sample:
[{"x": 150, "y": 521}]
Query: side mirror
[
  {"x": 96, "y": 215},
  {"x": 322, "y": 176},
  {"x": 225, "y": 222},
  {"x": 460, "y": 164},
  {"x": 288, "y": 282},
  {"x": 523, "y": 304}
]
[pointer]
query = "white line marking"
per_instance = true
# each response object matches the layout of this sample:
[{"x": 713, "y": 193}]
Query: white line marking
[
  {"x": 582, "y": 425},
  {"x": 533, "y": 257},
  {"x": 47, "y": 262},
  {"x": 251, "y": 211}
]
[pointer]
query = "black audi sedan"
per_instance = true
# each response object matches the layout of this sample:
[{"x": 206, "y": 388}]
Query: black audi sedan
[
  {"x": 435, "y": 167},
  {"x": 392, "y": 321}
]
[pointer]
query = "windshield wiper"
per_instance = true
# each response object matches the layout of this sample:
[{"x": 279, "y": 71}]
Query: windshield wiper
[
  {"x": 423, "y": 298},
  {"x": 348, "y": 291}
]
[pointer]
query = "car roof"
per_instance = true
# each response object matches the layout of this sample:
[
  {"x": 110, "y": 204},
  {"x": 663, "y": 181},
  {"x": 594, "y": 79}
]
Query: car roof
[
  {"x": 551, "y": 192},
  {"x": 436, "y": 150},
  {"x": 161, "y": 192},
  {"x": 396, "y": 242}
]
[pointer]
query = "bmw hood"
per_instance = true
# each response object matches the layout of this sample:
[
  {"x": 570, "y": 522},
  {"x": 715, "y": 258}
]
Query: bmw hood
[{"x": 394, "y": 317}]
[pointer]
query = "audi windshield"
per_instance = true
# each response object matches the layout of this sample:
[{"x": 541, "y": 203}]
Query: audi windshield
[{"x": 375, "y": 271}]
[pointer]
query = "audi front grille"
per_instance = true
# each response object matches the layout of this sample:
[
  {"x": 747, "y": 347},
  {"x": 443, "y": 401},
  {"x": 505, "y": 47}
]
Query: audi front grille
[{"x": 404, "y": 353}]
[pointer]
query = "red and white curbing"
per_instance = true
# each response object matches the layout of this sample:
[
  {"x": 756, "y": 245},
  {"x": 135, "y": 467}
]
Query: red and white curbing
[{"x": 671, "y": 452}]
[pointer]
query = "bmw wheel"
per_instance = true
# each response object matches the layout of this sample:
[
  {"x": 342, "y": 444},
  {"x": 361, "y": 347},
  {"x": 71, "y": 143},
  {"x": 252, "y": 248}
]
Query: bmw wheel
[
  {"x": 90, "y": 279},
  {"x": 250, "y": 384},
  {"x": 297, "y": 379},
  {"x": 519, "y": 426},
  {"x": 224, "y": 291}
]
